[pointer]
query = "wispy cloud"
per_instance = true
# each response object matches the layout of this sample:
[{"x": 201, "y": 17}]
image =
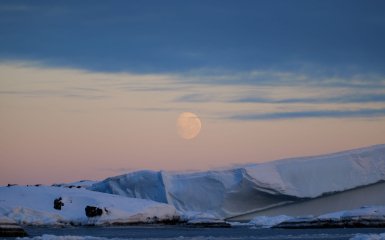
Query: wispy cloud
[
  {"x": 283, "y": 78},
  {"x": 155, "y": 109},
  {"x": 69, "y": 93},
  {"x": 175, "y": 93},
  {"x": 195, "y": 97},
  {"x": 360, "y": 113},
  {"x": 367, "y": 98}
]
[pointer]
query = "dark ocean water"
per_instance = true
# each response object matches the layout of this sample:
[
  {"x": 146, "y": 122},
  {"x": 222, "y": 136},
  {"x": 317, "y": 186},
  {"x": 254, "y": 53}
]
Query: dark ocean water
[{"x": 182, "y": 233}]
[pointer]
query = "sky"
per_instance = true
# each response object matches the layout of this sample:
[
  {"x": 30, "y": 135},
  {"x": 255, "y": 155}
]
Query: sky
[{"x": 92, "y": 89}]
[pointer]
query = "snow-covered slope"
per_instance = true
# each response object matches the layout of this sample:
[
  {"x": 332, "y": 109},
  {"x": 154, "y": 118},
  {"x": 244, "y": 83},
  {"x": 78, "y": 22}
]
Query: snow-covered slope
[
  {"x": 35, "y": 205},
  {"x": 232, "y": 192}
]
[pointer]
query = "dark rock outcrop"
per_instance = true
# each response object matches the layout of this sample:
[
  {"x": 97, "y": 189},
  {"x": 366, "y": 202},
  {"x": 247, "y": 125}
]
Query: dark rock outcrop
[
  {"x": 347, "y": 222},
  {"x": 208, "y": 223},
  {"x": 57, "y": 203},
  {"x": 93, "y": 211}
]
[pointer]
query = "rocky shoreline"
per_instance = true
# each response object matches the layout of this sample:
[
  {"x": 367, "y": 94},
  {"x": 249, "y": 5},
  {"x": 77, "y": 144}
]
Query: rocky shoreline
[{"x": 9, "y": 228}]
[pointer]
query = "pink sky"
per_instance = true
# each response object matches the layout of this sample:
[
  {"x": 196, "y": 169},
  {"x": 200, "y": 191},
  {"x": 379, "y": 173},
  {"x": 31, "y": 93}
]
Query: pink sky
[{"x": 63, "y": 124}]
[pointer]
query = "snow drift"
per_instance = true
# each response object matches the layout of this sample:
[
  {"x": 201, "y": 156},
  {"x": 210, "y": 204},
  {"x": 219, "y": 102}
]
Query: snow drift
[
  {"x": 35, "y": 205},
  {"x": 255, "y": 187}
]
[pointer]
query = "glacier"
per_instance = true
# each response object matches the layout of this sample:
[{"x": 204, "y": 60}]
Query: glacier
[{"x": 241, "y": 193}]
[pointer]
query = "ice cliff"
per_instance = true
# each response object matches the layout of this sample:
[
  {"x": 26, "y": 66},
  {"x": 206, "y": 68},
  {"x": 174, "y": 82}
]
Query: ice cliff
[{"x": 254, "y": 187}]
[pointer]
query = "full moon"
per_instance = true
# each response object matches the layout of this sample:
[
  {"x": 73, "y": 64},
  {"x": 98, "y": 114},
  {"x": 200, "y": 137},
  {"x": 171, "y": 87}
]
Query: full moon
[{"x": 188, "y": 125}]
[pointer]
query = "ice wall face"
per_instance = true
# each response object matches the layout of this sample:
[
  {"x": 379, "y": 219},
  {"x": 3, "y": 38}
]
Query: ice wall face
[
  {"x": 221, "y": 193},
  {"x": 141, "y": 184},
  {"x": 311, "y": 177},
  {"x": 253, "y": 188}
]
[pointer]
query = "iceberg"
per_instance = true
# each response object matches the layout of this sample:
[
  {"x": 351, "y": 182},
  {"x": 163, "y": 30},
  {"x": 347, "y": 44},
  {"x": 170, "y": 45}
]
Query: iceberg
[{"x": 319, "y": 183}]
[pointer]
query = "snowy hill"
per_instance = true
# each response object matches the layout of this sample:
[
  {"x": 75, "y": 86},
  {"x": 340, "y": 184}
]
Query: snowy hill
[
  {"x": 35, "y": 205},
  {"x": 254, "y": 188}
]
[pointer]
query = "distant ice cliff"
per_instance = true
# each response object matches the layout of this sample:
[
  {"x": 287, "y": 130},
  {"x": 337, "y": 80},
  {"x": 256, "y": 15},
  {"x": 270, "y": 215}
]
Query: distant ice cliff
[{"x": 257, "y": 187}]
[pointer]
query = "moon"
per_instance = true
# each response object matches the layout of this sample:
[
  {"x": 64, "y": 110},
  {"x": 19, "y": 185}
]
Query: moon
[{"x": 188, "y": 125}]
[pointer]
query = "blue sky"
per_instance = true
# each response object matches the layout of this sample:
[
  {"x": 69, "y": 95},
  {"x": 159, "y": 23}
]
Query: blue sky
[
  {"x": 321, "y": 37},
  {"x": 93, "y": 85},
  {"x": 324, "y": 44}
]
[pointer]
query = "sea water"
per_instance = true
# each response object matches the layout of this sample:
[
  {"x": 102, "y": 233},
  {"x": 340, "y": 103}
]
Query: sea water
[{"x": 189, "y": 233}]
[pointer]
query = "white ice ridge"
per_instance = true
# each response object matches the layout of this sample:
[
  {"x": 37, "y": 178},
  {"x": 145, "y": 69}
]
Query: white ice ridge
[
  {"x": 242, "y": 190},
  {"x": 35, "y": 205}
]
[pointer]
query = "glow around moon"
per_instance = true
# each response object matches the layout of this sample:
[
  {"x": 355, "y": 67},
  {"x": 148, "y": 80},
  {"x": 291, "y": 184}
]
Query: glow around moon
[{"x": 188, "y": 125}]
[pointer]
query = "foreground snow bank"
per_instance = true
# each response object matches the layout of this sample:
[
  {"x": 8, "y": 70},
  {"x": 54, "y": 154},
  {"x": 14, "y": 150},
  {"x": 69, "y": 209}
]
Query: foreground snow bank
[
  {"x": 268, "y": 222},
  {"x": 35, "y": 205},
  {"x": 369, "y": 237},
  {"x": 369, "y": 216},
  {"x": 255, "y": 187}
]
